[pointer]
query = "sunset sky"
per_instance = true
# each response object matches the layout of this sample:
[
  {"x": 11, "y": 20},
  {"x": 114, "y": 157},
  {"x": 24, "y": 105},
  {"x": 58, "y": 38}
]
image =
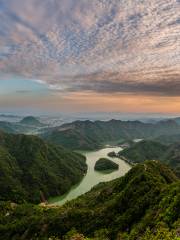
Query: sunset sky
[{"x": 82, "y": 55}]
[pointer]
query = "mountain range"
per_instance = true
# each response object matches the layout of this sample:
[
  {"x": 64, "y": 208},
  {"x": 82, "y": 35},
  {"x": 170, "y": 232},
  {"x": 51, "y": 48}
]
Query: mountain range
[
  {"x": 90, "y": 135},
  {"x": 142, "y": 205}
]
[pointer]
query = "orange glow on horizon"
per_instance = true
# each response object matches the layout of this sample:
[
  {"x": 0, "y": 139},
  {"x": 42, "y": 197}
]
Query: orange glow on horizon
[{"x": 89, "y": 101}]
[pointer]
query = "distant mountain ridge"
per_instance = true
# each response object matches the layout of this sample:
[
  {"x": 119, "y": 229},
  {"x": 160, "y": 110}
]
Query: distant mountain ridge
[
  {"x": 27, "y": 125},
  {"x": 90, "y": 135},
  {"x": 93, "y": 135},
  {"x": 32, "y": 121},
  {"x": 10, "y": 127}
]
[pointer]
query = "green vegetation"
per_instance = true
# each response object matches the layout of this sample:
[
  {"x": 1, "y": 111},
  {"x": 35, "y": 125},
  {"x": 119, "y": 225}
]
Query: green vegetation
[
  {"x": 161, "y": 233},
  {"x": 12, "y": 127},
  {"x": 144, "y": 150},
  {"x": 31, "y": 170},
  {"x": 90, "y": 135},
  {"x": 104, "y": 164},
  {"x": 167, "y": 140},
  {"x": 172, "y": 157},
  {"x": 150, "y": 150},
  {"x": 144, "y": 204}
]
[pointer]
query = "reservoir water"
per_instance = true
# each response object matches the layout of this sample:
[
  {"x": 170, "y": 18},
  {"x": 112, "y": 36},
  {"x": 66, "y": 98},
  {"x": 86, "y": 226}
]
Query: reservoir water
[{"x": 93, "y": 177}]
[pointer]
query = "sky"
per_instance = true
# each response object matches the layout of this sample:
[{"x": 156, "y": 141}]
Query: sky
[{"x": 81, "y": 55}]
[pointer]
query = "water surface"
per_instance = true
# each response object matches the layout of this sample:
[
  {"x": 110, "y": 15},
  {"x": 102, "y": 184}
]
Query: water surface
[{"x": 93, "y": 177}]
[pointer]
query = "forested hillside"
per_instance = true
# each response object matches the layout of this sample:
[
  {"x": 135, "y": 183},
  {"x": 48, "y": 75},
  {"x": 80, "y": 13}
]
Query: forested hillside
[
  {"x": 144, "y": 204},
  {"x": 144, "y": 150},
  {"x": 31, "y": 170},
  {"x": 152, "y": 150},
  {"x": 105, "y": 164},
  {"x": 11, "y": 127},
  {"x": 168, "y": 139}
]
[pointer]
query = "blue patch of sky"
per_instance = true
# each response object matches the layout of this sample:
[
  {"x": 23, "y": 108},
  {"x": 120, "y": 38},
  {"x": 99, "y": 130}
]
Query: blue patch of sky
[{"x": 21, "y": 86}]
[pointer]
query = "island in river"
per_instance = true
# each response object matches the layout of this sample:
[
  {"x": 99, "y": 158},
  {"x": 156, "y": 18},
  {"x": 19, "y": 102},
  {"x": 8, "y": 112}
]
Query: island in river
[{"x": 106, "y": 165}]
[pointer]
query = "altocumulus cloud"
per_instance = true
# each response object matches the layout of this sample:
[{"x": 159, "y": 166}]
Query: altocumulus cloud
[{"x": 100, "y": 45}]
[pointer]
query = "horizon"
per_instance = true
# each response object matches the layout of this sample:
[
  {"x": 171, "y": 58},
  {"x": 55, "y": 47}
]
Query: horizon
[
  {"x": 124, "y": 116},
  {"x": 100, "y": 56}
]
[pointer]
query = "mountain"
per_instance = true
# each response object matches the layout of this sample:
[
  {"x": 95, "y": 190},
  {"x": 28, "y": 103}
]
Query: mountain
[
  {"x": 32, "y": 121},
  {"x": 150, "y": 150},
  {"x": 172, "y": 157},
  {"x": 143, "y": 205},
  {"x": 144, "y": 150},
  {"x": 11, "y": 127},
  {"x": 168, "y": 139},
  {"x": 177, "y": 120},
  {"x": 90, "y": 135},
  {"x": 31, "y": 169},
  {"x": 27, "y": 125}
]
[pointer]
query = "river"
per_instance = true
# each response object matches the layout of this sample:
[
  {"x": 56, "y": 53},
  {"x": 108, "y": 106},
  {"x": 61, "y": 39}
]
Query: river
[{"x": 92, "y": 177}]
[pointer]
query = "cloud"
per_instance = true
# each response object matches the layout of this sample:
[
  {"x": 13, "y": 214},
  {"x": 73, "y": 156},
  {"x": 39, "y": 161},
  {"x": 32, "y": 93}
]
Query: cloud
[
  {"x": 166, "y": 84},
  {"x": 101, "y": 45}
]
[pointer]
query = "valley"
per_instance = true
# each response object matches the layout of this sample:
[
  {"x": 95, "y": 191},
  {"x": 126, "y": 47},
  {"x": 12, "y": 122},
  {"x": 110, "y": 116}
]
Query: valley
[
  {"x": 51, "y": 189},
  {"x": 93, "y": 177},
  {"x": 89, "y": 120}
]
